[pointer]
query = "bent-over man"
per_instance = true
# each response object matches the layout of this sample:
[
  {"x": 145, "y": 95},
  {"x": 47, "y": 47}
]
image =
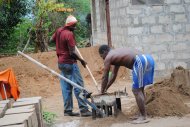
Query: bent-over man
[{"x": 142, "y": 66}]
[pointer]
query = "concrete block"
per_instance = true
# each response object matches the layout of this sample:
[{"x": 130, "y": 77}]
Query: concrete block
[
  {"x": 4, "y": 101},
  {"x": 177, "y": 9},
  {"x": 177, "y": 28},
  {"x": 29, "y": 98},
  {"x": 136, "y": 21},
  {"x": 149, "y": 39},
  {"x": 187, "y": 1},
  {"x": 36, "y": 103},
  {"x": 132, "y": 11},
  {"x": 183, "y": 37},
  {"x": 173, "y": 1},
  {"x": 16, "y": 119},
  {"x": 122, "y": 11},
  {"x": 157, "y": 29},
  {"x": 1, "y": 112},
  {"x": 149, "y": 20},
  {"x": 20, "y": 125},
  {"x": 180, "y": 18},
  {"x": 18, "y": 110},
  {"x": 165, "y": 38},
  {"x": 157, "y": 9},
  {"x": 25, "y": 109},
  {"x": 182, "y": 55},
  {"x": 167, "y": 56},
  {"x": 164, "y": 19},
  {"x": 187, "y": 27},
  {"x": 135, "y": 30},
  {"x": 156, "y": 48},
  {"x": 179, "y": 47},
  {"x": 188, "y": 7},
  {"x": 8, "y": 102},
  {"x": 3, "y": 108}
]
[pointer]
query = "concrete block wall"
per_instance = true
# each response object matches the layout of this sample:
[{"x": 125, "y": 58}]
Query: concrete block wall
[
  {"x": 163, "y": 31},
  {"x": 99, "y": 36}
]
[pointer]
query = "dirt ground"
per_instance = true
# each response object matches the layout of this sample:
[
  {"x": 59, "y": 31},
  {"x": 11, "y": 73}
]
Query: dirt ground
[{"x": 167, "y": 103}]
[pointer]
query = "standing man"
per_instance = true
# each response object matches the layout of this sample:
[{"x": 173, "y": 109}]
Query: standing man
[
  {"x": 142, "y": 66},
  {"x": 67, "y": 63}
]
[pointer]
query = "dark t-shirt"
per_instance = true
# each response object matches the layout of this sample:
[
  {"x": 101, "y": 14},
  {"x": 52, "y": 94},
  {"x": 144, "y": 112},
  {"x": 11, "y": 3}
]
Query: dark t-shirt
[{"x": 64, "y": 39}]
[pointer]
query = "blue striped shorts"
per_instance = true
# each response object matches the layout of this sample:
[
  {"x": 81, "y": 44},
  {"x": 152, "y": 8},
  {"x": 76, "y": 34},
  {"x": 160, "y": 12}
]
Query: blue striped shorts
[{"x": 143, "y": 71}]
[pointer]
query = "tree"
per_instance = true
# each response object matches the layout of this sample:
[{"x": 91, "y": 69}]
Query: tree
[
  {"x": 42, "y": 8},
  {"x": 81, "y": 10},
  {"x": 11, "y": 12}
]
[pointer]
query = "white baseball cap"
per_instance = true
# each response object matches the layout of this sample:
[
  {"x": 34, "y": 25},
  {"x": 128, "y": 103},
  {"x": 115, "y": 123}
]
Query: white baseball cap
[{"x": 70, "y": 20}]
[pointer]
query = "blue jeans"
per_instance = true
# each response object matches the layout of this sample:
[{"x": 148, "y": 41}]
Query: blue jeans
[{"x": 72, "y": 72}]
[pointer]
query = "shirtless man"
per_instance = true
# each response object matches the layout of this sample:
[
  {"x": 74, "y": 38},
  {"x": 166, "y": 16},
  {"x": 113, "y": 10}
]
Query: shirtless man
[{"x": 142, "y": 66}]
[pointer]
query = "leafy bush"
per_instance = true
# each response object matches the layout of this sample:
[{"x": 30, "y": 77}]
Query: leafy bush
[
  {"x": 18, "y": 37},
  {"x": 49, "y": 117},
  {"x": 10, "y": 13}
]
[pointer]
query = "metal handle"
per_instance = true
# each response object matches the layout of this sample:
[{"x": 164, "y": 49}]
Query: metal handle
[{"x": 89, "y": 71}]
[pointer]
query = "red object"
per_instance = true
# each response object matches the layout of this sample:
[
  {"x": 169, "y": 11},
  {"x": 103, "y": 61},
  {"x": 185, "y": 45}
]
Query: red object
[
  {"x": 64, "y": 39},
  {"x": 8, "y": 78}
]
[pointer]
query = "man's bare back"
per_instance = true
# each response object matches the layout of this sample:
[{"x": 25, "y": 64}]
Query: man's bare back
[{"x": 122, "y": 57}]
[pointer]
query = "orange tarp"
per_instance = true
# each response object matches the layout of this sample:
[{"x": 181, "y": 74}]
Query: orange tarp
[{"x": 8, "y": 78}]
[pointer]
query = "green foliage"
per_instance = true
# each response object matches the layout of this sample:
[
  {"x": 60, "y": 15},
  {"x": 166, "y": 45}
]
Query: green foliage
[
  {"x": 10, "y": 13},
  {"x": 49, "y": 117},
  {"x": 42, "y": 8},
  {"x": 14, "y": 26},
  {"x": 18, "y": 37},
  {"x": 81, "y": 9}
]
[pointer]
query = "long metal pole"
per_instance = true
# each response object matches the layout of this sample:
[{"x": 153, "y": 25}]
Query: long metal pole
[
  {"x": 52, "y": 71},
  {"x": 89, "y": 71}
]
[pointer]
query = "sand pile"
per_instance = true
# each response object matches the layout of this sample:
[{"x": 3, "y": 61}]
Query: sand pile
[{"x": 165, "y": 98}]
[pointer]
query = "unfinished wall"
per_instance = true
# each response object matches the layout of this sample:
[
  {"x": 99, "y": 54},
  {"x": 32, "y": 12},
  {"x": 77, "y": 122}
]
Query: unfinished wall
[{"x": 161, "y": 30}]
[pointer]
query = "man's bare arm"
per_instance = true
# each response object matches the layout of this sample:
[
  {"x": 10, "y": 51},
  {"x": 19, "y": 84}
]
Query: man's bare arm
[
  {"x": 105, "y": 76},
  {"x": 113, "y": 77},
  {"x": 75, "y": 56}
]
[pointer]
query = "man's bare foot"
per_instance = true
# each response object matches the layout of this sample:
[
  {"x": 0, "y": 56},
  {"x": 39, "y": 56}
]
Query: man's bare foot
[{"x": 140, "y": 120}]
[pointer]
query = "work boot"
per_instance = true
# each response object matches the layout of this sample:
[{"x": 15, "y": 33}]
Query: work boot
[
  {"x": 71, "y": 113},
  {"x": 85, "y": 113}
]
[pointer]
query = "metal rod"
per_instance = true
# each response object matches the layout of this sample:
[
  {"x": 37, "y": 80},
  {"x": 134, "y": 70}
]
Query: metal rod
[
  {"x": 96, "y": 84},
  {"x": 4, "y": 91},
  {"x": 52, "y": 71}
]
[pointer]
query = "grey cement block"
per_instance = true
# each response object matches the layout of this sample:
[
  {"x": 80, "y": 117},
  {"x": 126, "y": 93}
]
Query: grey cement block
[
  {"x": 15, "y": 119},
  {"x": 4, "y": 101},
  {"x": 37, "y": 104},
  {"x": 18, "y": 110},
  {"x": 3, "y": 108},
  {"x": 30, "y": 98},
  {"x": 9, "y": 102},
  {"x": 31, "y": 119},
  {"x": 20, "y": 125},
  {"x": 1, "y": 112}
]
